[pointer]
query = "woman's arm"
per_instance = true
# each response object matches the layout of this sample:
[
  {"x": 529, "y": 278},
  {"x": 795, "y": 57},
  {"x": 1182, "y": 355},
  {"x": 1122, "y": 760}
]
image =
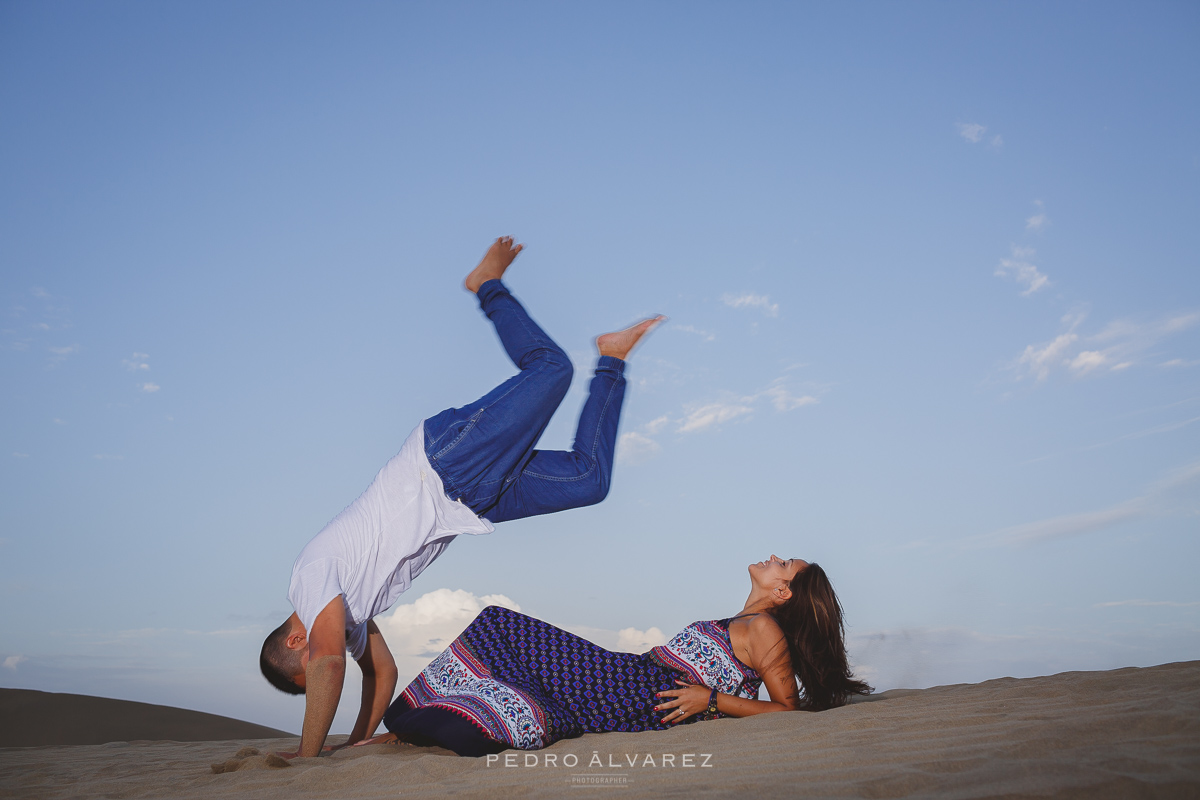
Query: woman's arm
[{"x": 768, "y": 655}]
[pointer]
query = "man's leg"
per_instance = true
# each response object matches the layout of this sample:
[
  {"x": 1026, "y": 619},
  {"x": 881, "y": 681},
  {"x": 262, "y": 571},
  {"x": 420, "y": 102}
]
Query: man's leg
[
  {"x": 475, "y": 447},
  {"x": 556, "y": 480}
]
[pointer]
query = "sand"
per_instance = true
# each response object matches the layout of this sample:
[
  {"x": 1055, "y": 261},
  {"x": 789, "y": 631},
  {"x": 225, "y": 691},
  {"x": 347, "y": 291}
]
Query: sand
[{"x": 1122, "y": 733}]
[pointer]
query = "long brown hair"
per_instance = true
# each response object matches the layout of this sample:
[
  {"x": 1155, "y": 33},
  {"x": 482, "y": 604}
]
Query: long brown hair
[{"x": 811, "y": 620}]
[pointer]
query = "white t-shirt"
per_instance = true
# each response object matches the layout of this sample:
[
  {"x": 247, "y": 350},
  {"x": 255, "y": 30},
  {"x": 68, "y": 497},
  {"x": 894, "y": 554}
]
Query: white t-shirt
[{"x": 370, "y": 553}]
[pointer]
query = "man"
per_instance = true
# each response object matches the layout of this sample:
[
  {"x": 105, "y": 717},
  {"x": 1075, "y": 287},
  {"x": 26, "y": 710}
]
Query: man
[{"x": 458, "y": 472}]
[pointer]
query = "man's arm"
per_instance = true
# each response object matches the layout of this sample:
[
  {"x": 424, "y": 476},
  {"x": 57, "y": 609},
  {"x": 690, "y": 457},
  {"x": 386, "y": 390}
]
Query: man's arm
[
  {"x": 323, "y": 676},
  {"x": 378, "y": 684}
]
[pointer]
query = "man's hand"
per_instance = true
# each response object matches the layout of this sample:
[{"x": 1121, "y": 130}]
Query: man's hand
[{"x": 329, "y": 748}]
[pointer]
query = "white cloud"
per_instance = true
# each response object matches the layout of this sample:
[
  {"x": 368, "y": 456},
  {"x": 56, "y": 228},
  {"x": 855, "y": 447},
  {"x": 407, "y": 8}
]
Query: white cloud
[
  {"x": 1023, "y": 271},
  {"x": 997, "y": 141},
  {"x": 705, "y": 335},
  {"x": 1041, "y": 359},
  {"x": 751, "y": 300},
  {"x": 20, "y": 455},
  {"x": 136, "y": 362},
  {"x": 1179, "y": 362},
  {"x": 1117, "y": 347},
  {"x": 634, "y": 448},
  {"x": 39, "y": 292},
  {"x": 1087, "y": 361},
  {"x": 416, "y": 632},
  {"x": 626, "y": 640},
  {"x": 705, "y": 416},
  {"x": 1036, "y": 222},
  {"x": 971, "y": 131},
  {"x": 41, "y": 326},
  {"x": 655, "y": 425},
  {"x": 631, "y": 640},
  {"x": 12, "y": 661},
  {"x": 149, "y": 386},
  {"x": 783, "y": 400}
]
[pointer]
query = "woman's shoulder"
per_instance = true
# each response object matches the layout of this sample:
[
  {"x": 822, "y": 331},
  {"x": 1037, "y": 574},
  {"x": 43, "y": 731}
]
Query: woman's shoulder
[{"x": 757, "y": 624}]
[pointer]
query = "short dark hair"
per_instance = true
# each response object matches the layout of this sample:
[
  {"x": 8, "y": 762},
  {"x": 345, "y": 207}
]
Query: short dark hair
[{"x": 278, "y": 662}]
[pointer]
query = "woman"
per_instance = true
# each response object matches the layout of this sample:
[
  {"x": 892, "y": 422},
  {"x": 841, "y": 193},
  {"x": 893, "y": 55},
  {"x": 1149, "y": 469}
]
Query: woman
[{"x": 513, "y": 681}]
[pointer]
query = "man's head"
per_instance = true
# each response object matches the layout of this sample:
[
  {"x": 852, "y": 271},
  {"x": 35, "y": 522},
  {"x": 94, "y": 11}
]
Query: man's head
[{"x": 283, "y": 656}]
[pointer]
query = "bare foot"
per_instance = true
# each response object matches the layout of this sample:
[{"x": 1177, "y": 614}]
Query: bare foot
[
  {"x": 619, "y": 344},
  {"x": 495, "y": 261}
]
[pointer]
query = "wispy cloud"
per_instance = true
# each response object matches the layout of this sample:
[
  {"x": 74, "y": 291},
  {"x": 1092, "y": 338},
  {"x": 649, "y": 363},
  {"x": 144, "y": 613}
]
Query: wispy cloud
[
  {"x": 149, "y": 386},
  {"x": 1147, "y": 603},
  {"x": 1039, "y": 220},
  {"x": 705, "y": 335},
  {"x": 972, "y": 131},
  {"x": 918, "y": 657},
  {"x": 59, "y": 354},
  {"x": 1179, "y": 362},
  {"x": 705, "y": 416},
  {"x": 1159, "y": 498},
  {"x": 136, "y": 362},
  {"x": 12, "y": 662},
  {"x": 1022, "y": 270},
  {"x": 39, "y": 292},
  {"x": 634, "y": 447},
  {"x": 637, "y": 445},
  {"x": 1117, "y": 347},
  {"x": 20, "y": 455},
  {"x": 750, "y": 300}
]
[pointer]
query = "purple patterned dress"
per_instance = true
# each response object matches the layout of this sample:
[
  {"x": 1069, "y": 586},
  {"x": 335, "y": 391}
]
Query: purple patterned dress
[{"x": 527, "y": 684}]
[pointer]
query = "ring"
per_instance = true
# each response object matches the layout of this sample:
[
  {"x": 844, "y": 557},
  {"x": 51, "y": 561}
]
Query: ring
[{"x": 682, "y": 712}]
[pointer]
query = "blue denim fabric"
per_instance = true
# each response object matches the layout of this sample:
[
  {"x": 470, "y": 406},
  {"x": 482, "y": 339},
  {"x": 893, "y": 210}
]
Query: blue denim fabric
[{"x": 484, "y": 451}]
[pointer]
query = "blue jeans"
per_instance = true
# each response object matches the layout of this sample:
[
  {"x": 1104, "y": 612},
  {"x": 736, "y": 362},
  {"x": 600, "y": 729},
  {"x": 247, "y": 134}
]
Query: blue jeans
[{"x": 484, "y": 452}]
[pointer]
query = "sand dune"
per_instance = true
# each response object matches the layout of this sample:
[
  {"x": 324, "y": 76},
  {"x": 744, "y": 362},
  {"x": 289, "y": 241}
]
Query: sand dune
[
  {"x": 32, "y": 718},
  {"x": 1123, "y": 733}
]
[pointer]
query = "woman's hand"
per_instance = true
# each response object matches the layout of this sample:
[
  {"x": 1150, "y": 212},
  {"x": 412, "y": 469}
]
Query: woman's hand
[{"x": 688, "y": 700}]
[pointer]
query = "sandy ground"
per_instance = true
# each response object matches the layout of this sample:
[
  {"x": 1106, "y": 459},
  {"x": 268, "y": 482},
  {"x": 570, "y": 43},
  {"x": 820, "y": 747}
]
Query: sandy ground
[{"x": 1125, "y": 733}]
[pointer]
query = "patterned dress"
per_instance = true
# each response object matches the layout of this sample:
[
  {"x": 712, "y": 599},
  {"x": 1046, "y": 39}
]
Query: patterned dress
[{"x": 526, "y": 684}]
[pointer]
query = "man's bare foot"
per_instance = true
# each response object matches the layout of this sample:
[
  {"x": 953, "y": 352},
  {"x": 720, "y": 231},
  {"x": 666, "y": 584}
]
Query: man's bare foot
[
  {"x": 619, "y": 344},
  {"x": 495, "y": 261}
]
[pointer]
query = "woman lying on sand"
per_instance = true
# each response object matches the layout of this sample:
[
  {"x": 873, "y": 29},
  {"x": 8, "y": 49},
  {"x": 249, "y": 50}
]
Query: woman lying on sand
[{"x": 514, "y": 681}]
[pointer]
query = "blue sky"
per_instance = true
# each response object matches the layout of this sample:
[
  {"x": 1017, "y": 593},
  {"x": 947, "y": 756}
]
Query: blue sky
[{"x": 930, "y": 269}]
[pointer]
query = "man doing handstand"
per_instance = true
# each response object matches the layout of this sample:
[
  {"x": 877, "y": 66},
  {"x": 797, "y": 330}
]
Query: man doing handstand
[{"x": 458, "y": 472}]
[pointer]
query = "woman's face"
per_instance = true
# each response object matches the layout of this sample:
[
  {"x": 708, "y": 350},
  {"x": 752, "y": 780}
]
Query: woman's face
[{"x": 775, "y": 570}]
